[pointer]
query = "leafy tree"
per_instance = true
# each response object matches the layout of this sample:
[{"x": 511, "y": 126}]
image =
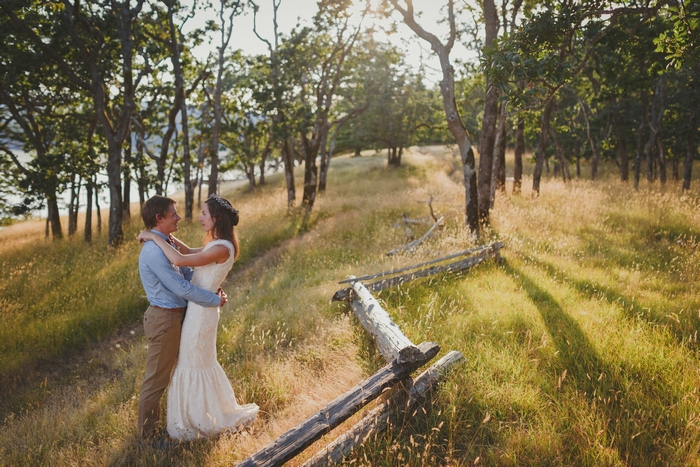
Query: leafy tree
[
  {"x": 101, "y": 38},
  {"x": 319, "y": 58},
  {"x": 31, "y": 113},
  {"x": 681, "y": 45}
]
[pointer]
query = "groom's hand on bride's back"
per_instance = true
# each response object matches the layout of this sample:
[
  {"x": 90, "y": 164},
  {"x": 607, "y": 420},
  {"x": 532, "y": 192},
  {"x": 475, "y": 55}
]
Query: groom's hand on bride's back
[{"x": 222, "y": 295}]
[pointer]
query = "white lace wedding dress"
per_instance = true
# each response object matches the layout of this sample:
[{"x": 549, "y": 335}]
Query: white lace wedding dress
[{"x": 201, "y": 402}]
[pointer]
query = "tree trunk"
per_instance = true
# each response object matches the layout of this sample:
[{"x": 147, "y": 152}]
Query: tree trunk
[
  {"x": 200, "y": 170},
  {"x": 519, "y": 151},
  {"x": 126, "y": 168},
  {"x": 594, "y": 146},
  {"x": 691, "y": 150},
  {"x": 454, "y": 121},
  {"x": 658, "y": 108},
  {"x": 114, "y": 172},
  {"x": 594, "y": 161},
  {"x": 288, "y": 156},
  {"x": 97, "y": 207},
  {"x": 176, "y": 46},
  {"x": 325, "y": 159},
  {"x": 674, "y": 169},
  {"x": 200, "y": 181},
  {"x": 53, "y": 216},
  {"x": 489, "y": 120},
  {"x": 621, "y": 145},
  {"x": 649, "y": 148},
  {"x": 640, "y": 140},
  {"x": 88, "y": 211},
  {"x": 72, "y": 218},
  {"x": 162, "y": 180},
  {"x": 250, "y": 174},
  {"x": 214, "y": 172},
  {"x": 310, "y": 175},
  {"x": 498, "y": 171},
  {"x": 501, "y": 147},
  {"x": 662, "y": 160},
  {"x": 263, "y": 163},
  {"x": 537, "y": 175},
  {"x": 141, "y": 165},
  {"x": 563, "y": 163},
  {"x": 393, "y": 157},
  {"x": 187, "y": 164},
  {"x": 76, "y": 205},
  {"x": 578, "y": 165},
  {"x": 459, "y": 133},
  {"x": 172, "y": 165}
]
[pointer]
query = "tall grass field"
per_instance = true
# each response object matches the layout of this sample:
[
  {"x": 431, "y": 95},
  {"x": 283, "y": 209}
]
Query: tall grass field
[{"x": 581, "y": 347}]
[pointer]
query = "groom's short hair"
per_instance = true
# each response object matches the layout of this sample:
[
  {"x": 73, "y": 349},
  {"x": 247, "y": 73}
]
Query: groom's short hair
[{"x": 153, "y": 206}]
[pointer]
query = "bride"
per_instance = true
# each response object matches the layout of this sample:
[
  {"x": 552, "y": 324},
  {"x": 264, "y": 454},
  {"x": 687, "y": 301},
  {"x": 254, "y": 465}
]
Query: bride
[{"x": 201, "y": 402}]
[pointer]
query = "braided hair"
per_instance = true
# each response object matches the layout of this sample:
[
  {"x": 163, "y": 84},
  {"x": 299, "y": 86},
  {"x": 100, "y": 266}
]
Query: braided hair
[{"x": 225, "y": 219}]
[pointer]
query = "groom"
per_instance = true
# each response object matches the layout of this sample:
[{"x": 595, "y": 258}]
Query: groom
[{"x": 168, "y": 290}]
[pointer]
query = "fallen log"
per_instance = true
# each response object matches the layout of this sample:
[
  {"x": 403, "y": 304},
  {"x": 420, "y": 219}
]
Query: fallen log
[
  {"x": 391, "y": 342},
  {"x": 457, "y": 266},
  {"x": 415, "y": 243},
  {"x": 377, "y": 420},
  {"x": 491, "y": 246},
  {"x": 303, "y": 435},
  {"x": 407, "y": 220}
]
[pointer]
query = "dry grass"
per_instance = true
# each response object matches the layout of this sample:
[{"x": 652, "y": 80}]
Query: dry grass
[{"x": 581, "y": 349}]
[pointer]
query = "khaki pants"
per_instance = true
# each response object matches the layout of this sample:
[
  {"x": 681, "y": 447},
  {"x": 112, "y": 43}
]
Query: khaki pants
[{"x": 162, "y": 329}]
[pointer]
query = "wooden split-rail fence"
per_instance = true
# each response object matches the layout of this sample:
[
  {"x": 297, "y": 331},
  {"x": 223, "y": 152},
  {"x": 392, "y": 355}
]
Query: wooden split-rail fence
[{"x": 402, "y": 357}]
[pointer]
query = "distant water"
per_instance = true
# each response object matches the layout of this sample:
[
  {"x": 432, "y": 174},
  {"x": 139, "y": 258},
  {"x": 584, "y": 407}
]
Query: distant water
[{"x": 64, "y": 198}]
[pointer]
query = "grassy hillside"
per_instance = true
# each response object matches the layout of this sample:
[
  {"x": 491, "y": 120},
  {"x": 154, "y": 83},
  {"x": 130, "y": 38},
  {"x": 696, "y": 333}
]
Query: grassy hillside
[{"x": 581, "y": 349}]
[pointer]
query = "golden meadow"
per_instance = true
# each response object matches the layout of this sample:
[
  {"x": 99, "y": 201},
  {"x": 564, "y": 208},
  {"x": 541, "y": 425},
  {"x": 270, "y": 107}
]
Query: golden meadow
[{"x": 581, "y": 348}]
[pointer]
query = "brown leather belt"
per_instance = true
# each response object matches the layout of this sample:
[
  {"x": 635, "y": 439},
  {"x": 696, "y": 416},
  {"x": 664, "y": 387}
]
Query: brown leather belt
[{"x": 174, "y": 310}]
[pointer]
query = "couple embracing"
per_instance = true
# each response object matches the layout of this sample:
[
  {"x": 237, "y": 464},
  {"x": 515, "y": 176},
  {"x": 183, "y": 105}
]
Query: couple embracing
[{"x": 181, "y": 322}]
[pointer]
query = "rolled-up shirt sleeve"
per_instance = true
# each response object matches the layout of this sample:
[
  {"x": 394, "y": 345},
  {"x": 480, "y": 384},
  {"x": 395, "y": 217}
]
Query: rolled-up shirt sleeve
[
  {"x": 187, "y": 273},
  {"x": 178, "y": 284}
]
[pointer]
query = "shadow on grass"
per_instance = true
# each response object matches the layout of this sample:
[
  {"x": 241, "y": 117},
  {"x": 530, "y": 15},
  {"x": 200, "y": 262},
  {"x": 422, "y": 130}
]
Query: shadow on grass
[
  {"x": 683, "y": 325},
  {"x": 630, "y": 400}
]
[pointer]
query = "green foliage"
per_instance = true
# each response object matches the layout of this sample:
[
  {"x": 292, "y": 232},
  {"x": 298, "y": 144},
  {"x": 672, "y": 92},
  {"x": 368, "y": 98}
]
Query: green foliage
[
  {"x": 682, "y": 41},
  {"x": 403, "y": 110}
]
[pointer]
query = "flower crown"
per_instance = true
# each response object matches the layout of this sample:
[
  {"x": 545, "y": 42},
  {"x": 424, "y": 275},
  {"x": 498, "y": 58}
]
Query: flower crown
[{"x": 224, "y": 203}]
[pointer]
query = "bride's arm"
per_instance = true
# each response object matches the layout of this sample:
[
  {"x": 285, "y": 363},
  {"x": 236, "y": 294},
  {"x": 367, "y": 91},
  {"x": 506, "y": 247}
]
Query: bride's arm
[
  {"x": 184, "y": 248},
  {"x": 215, "y": 254}
]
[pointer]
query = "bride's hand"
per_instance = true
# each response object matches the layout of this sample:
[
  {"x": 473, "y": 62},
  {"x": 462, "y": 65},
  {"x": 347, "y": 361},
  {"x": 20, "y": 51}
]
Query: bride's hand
[{"x": 145, "y": 235}]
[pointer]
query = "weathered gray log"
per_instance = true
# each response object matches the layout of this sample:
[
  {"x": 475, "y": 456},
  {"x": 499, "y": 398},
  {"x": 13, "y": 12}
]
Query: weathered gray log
[
  {"x": 377, "y": 419},
  {"x": 347, "y": 294},
  {"x": 391, "y": 342},
  {"x": 415, "y": 243},
  {"x": 406, "y": 220},
  {"x": 303, "y": 435},
  {"x": 491, "y": 246}
]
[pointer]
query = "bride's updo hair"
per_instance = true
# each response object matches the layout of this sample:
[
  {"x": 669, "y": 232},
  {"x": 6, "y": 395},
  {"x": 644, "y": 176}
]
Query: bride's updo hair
[{"x": 225, "y": 219}]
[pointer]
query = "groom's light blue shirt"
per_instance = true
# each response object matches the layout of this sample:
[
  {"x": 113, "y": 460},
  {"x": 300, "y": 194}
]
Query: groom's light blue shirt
[{"x": 165, "y": 284}]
